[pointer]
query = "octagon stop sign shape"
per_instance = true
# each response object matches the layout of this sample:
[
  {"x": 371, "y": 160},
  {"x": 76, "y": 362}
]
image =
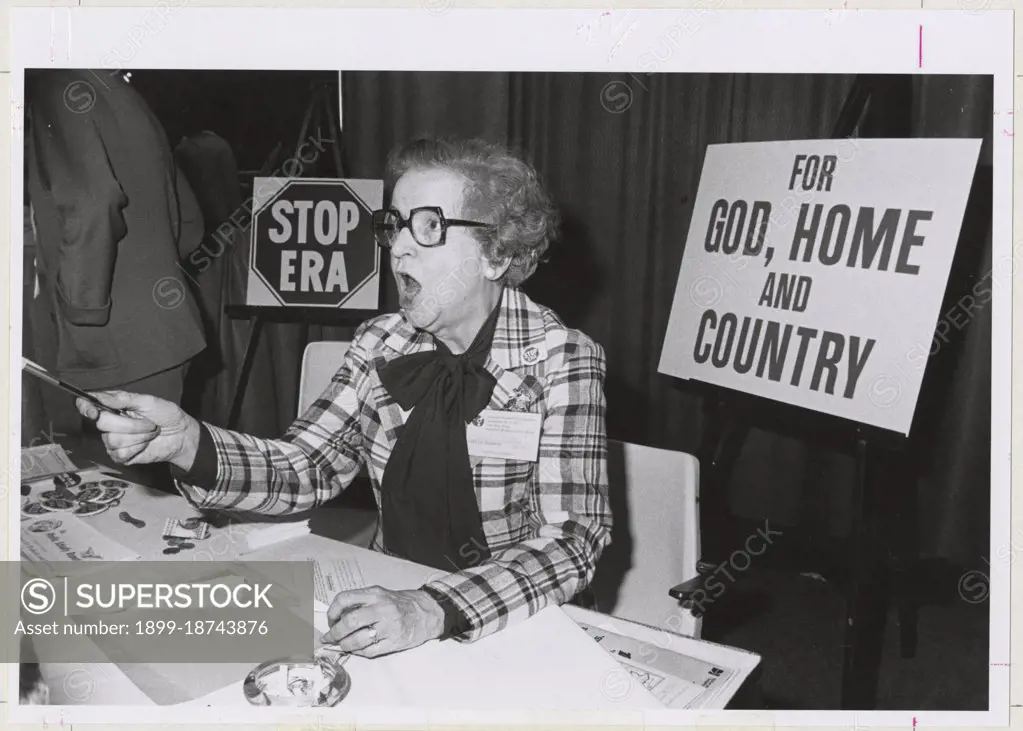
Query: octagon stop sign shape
[{"x": 313, "y": 243}]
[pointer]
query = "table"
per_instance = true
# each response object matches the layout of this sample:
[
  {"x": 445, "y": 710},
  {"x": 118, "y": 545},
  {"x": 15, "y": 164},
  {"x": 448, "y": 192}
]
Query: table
[
  {"x": 547, "y": 659},
  {"x": 544, "y": 663}
]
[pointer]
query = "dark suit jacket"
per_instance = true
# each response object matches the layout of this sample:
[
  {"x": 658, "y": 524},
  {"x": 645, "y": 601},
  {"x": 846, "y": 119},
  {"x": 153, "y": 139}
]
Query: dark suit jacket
[{"x": 113, "y": 218}]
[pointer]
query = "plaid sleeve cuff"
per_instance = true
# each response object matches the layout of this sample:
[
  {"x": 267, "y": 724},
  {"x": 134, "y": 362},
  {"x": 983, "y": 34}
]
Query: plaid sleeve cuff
[
  {"x": 455, "y": 623},
  {"x": 203, "y": 472}
]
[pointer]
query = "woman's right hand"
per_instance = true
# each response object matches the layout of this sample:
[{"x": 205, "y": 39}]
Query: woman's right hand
[{"x": 157, "y": 431}]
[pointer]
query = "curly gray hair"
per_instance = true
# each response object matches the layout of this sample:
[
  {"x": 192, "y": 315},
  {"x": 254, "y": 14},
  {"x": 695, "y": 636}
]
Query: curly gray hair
[{"x": 501, "y": 189}]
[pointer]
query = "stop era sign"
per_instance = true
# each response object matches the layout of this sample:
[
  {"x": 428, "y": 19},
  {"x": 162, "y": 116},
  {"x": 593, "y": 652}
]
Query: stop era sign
[{"x": 312, "y": 243}]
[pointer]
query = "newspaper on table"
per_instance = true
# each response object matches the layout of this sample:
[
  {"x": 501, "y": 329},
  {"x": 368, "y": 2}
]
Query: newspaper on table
[
  {"x": 66, "y": 537},
  {"x": 677, "y": 680}
]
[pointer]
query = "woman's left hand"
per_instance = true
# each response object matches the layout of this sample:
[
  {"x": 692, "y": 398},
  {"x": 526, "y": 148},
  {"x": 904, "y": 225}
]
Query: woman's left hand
[{"x": 377, "y": 621}]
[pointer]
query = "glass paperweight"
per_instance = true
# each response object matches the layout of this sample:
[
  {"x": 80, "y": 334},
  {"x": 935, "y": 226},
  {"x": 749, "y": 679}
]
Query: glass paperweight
[{"x": 319, "y": 683}]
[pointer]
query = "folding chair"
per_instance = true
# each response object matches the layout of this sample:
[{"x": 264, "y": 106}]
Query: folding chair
[{"x": 345, "y": 522}]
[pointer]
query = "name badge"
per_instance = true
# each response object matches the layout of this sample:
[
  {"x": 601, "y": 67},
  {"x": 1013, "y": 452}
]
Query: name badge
[{"x": 504, "y": 434}]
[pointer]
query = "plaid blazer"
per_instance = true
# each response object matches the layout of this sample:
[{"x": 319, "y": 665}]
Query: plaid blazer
[{"x": 546, "y": 522}]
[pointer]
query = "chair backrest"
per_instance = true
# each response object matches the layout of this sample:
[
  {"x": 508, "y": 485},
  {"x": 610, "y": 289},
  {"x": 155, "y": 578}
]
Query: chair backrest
[
  {"x": 320, "y": 362},
  {"x": 349, "y": 523},
  {"x": 656, "y": 536}
]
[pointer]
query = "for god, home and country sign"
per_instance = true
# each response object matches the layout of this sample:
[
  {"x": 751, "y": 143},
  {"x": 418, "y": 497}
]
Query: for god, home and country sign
[{"x": 812, "y": 267}]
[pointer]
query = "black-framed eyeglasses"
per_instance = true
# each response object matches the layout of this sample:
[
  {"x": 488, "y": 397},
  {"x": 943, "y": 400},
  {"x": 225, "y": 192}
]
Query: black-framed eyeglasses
[{"x": 428, "y": 225}]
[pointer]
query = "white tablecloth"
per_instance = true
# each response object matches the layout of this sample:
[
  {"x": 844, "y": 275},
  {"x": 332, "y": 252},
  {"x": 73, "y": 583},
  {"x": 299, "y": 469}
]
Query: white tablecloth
[{"x": 546, "y": 663}]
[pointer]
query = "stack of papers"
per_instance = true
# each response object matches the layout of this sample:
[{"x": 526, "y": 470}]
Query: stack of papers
[
  {"x": 333, "y": 576},
  {"x": 43, "y": 461},
  {"x": 259, "y": 536}
]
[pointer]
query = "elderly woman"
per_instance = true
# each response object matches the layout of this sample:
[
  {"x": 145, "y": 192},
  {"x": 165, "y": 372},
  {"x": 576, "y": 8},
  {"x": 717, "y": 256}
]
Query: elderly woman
[{"x": 513, "y": 520}]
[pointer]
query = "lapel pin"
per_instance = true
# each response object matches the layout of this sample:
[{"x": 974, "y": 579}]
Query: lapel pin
[{"x": 530, "y": 355}]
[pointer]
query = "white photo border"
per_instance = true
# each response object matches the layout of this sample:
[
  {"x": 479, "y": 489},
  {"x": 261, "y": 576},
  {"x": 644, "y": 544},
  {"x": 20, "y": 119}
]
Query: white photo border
[{"x": 173, "y": 36}]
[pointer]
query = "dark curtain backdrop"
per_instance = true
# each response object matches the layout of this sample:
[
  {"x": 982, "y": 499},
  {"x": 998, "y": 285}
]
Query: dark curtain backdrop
[{"x": 625, "y": 181}]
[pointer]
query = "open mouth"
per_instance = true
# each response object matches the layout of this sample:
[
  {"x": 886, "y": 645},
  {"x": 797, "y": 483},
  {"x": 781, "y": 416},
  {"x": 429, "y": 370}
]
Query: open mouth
[{"x": 408, "y": 286}]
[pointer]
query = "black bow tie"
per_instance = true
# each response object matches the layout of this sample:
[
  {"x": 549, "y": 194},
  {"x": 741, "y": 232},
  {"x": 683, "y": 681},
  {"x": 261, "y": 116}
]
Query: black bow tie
[{"x": 429, "y": 508}]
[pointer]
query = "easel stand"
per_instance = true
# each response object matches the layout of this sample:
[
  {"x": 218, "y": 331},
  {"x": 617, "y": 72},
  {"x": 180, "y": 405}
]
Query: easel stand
[
  {"x": 321, "y": 116},
  {"x": 259, "y": 316},
  {"x": 883, "y": 503},
  {"x": 883, "y": 507}
]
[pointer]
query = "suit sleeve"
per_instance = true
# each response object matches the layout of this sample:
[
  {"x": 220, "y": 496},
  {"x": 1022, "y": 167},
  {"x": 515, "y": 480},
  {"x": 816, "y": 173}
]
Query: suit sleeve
[
  {"x": 568, "y": 499},
  {"x": 89, "y": 200}
]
